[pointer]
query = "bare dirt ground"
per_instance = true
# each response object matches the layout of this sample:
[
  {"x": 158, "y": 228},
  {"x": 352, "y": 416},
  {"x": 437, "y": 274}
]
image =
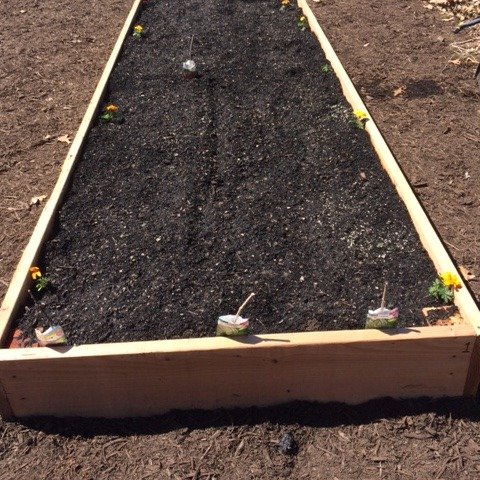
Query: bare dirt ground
[
  {"x": 428, "y": 109},
  {"x": 381, "y": 440}
]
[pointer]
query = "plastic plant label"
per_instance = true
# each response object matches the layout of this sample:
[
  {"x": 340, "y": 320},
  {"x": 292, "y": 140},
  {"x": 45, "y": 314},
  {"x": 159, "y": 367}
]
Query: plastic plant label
[
  {"x": 382, "y": 318},
  {"x": 52, "y": 336},
  {"x": 232, "y": 325},
  {"x": 189, "y": 66}
]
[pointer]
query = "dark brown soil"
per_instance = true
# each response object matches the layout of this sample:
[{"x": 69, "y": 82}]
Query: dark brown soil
[
  {"x": 251, "y": 177},
  {"x": 413, "y": 440}
]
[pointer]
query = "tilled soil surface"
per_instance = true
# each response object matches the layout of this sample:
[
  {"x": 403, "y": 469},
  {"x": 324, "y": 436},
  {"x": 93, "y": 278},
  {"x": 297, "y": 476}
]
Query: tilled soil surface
[
  {"x": 251, "y": 177},
  {"x": 412, "y": 440}
]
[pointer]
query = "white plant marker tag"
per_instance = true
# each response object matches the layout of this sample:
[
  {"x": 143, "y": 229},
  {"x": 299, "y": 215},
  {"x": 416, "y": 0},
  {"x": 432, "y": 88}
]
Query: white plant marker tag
[
  {"x": 382, "y": 317},
  {"x": 52, "y": 336},
  {"x": 230, "y": 325},
  {"x": 189, "y": 66}
]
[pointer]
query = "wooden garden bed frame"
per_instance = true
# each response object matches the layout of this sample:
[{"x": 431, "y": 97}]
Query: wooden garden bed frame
[{"x": 152, "y": 377}]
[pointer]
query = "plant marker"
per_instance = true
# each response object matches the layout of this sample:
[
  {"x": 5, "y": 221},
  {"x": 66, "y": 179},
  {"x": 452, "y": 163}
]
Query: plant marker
[
  {"x": 52, "y": 336},
  {"x": 382, "y": 317},
  {"x": 189, "y": 67},
  {"x": 230, "y": 325}
]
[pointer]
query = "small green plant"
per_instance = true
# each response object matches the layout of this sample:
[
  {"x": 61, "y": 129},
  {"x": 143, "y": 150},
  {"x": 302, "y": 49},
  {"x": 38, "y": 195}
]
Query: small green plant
[
  {"x": 41, "y": 282},
  {"x": 443, "y": 288},
  {"x": 302, "y": 23},
  {"x": 109, "y": 113},
  {"x": 359, "y": 119},
  {"x": 138, "y": 31},
  {"x": 325, "y": 69},
  {"x": 440, "y": 292}
]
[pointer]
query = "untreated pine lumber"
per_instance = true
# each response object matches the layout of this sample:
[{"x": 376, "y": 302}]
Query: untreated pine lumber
[{"x": 147, "y": 378}]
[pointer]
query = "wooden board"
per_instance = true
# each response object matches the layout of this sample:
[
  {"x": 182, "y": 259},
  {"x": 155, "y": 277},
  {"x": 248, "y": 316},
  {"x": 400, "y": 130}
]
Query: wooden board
[{"x": 146, "y": 378}]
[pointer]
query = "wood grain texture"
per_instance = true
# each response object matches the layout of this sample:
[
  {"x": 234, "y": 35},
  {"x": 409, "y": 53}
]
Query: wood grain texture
[
  {"x": 21, "y": 278},
  {"x": 427, "y": 233},
  {"x": 6, "y": 411},
  {"x": 473, "y": 375},
  {"x": 147, "y": 378}
]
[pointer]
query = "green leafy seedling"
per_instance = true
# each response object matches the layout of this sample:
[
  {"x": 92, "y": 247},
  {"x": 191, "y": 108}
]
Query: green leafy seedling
[
  {"x": 41, "y": 284},
  {"x": 440, "y": 292},
  {"x": 325, "y": 69}
]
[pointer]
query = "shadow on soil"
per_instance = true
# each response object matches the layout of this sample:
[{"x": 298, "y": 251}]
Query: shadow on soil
[{"x": 295, "y": 413}]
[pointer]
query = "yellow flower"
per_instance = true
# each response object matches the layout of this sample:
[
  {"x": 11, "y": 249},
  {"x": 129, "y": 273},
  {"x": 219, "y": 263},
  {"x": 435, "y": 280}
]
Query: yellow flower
[
  {"x": 360, "y": 115},
  {"x": 449, "y": 279},
  {"x": 303, "y": 18},
  {"x": 138, "y": 29},
  {"x": 111, "y": 108},
  {"x": 36, "y": 273},
  {"x": 286, "y": 3}
]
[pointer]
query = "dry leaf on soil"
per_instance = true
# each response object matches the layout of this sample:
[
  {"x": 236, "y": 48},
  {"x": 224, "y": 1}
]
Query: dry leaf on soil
[
  {"x": 64, "y": 139},
  {"x": 466, "y": 273},
  {"x": 399, "y": 91},
  {"x": 457, "y": 61},
  {"x": 37, "y": 200}
]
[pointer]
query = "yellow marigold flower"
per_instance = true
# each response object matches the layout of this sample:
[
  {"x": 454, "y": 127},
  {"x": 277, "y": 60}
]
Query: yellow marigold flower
[
  {"x": 138, "y": 29},
  {"x": 360, "y": 115},
  {"x": 286, "y": 3},
  {"x": 449, "y": 279},
  {"x": 36, "y": 273},
  {"x": 111, "y": 108},
  {"x": 303, "y": 18}
]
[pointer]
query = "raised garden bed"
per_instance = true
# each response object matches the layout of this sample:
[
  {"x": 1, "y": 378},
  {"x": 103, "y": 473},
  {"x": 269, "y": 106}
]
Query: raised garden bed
[
  {"x": 248, "y": 178},
  {"x": 252, "y": 177}
]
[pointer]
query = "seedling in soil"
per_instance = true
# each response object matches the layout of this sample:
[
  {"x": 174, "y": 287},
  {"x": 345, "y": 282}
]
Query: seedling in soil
[
  {"x": 325, "y": 69},
  {"x": 110, "y": 113},
  {"x": 382, "y": 317},
  {"x": 40, "y": 309},
  {"x": 285, "y": 5},
  {"x": 189, "y": 67},
  {"x": 443, "y": 288},
  {"x": 41, "y": 282},
  {"x": 360, "y": 118},
  {"x": 302, "y": 23},
  {"x": 53, "y": 335},
  {"x": 233, "y": 325},
  {"x": 138, "y": 31}
]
